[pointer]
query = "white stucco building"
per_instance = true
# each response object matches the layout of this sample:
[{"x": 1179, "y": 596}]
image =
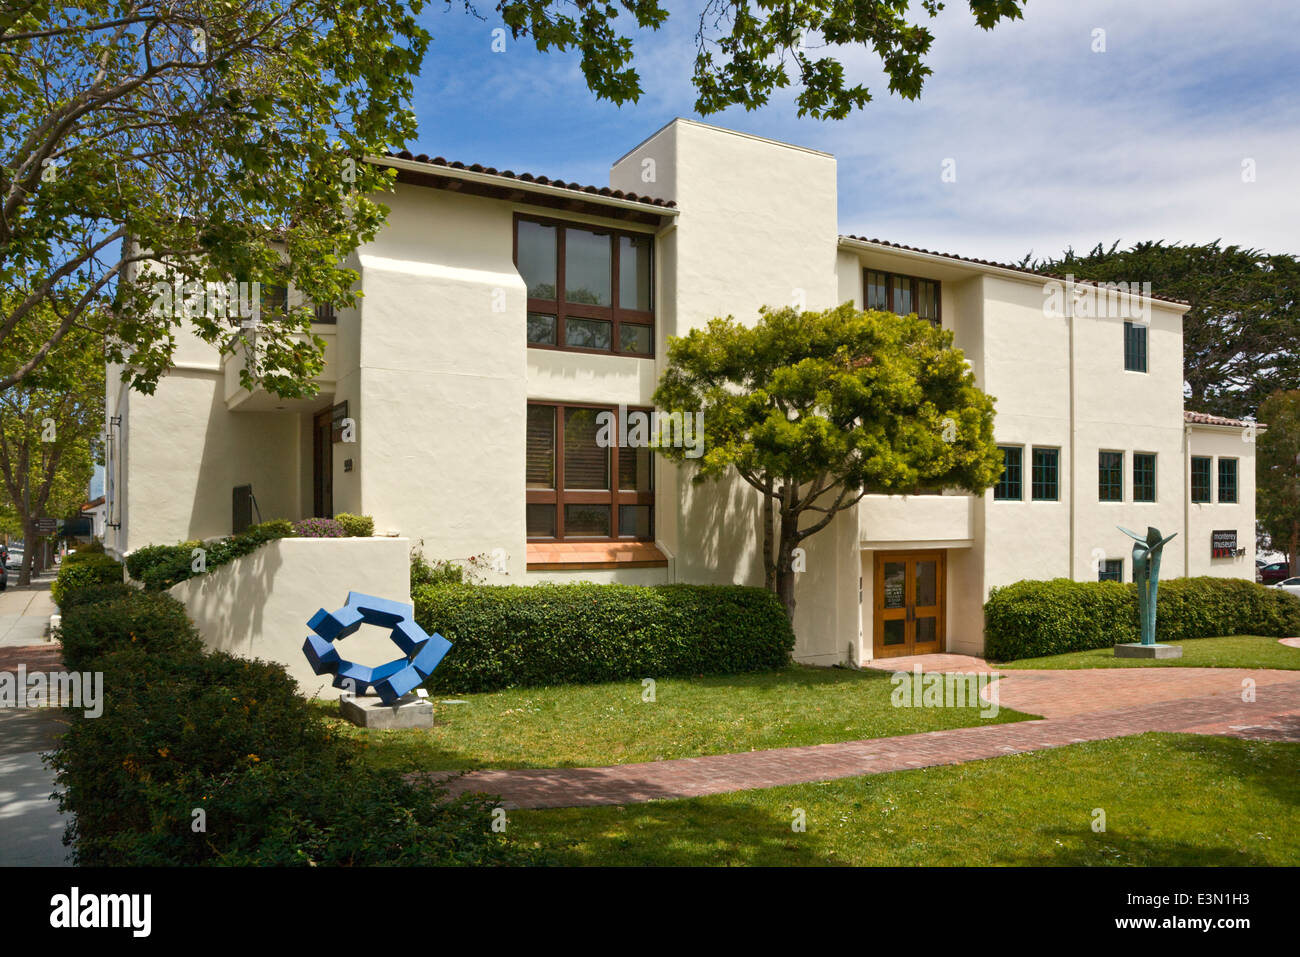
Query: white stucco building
[{"x": 500, "y": 310}]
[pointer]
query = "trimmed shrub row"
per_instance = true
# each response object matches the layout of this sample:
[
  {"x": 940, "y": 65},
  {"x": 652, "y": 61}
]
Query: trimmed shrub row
[
  {"x": 1030, "y": 619},
  {"x": 161, "y": 566},
  {"x": 83, "y": 570},
  {"x": 184, "y": 731},
  {"x": 516, "y": 635}
]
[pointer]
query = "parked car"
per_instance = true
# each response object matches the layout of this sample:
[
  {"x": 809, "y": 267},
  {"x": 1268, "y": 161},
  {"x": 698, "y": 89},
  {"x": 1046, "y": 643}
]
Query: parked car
[
  {"x": 1291, "y": 584},
  {"x": 4, "y": 577},
  {"x": 1274, "y": 572},
  {"x": 15, "y": 559}
]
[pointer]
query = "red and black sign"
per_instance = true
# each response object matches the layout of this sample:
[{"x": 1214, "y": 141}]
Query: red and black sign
[{"x": 1223, "y": 543}]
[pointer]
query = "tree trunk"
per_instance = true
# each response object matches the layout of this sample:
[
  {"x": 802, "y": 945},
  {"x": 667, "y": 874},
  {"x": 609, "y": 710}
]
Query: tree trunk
[
  {"x": 785, "y": 564},
  {"x": 769, "y": 541},
  {"x": 29, "y": 552},
  {"x": 1292, "y": 569}
]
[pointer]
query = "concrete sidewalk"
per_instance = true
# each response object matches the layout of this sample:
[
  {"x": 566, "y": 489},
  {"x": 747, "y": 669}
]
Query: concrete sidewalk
[
  {"x": 31, "y": 827},
  {"x": 25, "y": 610}
]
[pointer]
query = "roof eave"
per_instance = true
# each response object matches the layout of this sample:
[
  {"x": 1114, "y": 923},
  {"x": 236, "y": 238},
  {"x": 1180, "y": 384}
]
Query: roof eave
[{"x": 518, "y": 185}]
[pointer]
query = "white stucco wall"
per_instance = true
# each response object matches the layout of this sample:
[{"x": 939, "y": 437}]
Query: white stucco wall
[
  {"x": 1204, "y": 518},
  {"x": 258, "y": 606}
]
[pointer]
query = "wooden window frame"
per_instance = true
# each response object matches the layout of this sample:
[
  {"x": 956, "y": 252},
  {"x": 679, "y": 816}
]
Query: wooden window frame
[
  {"x": 613, "y": 496},
  {"x": 1155, "y": 475},
  {"x": 914, "y": 282},
  {"x": 1209, "y": 480},
  {"x": 1003, "y": 480},
  {"x": 1236, "y": 476},
  {"x": 1104, "y": 568},
  {"x": 1106, "y": 480},
  {"x": 1056, "y": 474},
  {"x": 562, "y": 309},
  {"x": 1132, "y": 352}
]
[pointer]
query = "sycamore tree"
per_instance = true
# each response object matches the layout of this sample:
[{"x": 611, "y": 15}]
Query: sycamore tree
[
  {"x": 1277, "y": 473},
  {"x": 815, "y": 410},
  {"x": 207, "y": 142},
  {"x": 49, "y": 429},
  {"x": 1240, "y": 333}
]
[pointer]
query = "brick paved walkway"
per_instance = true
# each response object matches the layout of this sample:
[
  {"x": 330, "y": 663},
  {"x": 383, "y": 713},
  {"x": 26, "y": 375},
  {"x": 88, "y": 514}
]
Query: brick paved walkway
[{"x": 1086, "y": 705}]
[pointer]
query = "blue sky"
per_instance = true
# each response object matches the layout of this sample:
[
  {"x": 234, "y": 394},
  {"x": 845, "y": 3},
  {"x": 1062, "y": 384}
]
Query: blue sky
[{"x": 1054, "y": 144}]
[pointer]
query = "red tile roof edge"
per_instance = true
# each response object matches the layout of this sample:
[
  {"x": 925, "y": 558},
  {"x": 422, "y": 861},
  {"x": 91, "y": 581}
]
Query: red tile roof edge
[
  {"x": 996, "y": 265},
  {"x": 531, "y": 178},
  {"x": 1205, "y": 418}
]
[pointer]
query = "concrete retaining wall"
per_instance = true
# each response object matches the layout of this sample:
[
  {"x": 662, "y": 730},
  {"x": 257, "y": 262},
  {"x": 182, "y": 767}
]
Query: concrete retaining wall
[{"x": 258, "y": 605}]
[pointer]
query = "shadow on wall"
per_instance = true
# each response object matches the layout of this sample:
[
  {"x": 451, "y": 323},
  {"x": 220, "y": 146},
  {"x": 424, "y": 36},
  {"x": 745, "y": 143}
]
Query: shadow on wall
[
  {"x": 235, "y": 595},
  {"x": 242, "y": 448},
  {"x": 724, "y": 521}
]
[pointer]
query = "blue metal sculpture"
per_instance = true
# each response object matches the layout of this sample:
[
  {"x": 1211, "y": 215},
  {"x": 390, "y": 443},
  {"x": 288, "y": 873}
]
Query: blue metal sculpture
[
  {"x": 422, "y": 652},
  {"x": 1146, "y": 573}
]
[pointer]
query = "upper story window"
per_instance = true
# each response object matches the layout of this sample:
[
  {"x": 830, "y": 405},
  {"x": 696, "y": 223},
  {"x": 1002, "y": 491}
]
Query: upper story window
[
  {"x": 1201, "y": 478},
  {"x": 580, "y": 486},
  {"x": 589, "y": 288},
  {"x": 1135, "y": 347},
  {"x": 1110, "y": 476},
  {"x": 1046, "y": 474},
  {"x": 1228, "y": 481},
  {"x": 1009, "y": 485},
  {"x": 891, "y": 292}
]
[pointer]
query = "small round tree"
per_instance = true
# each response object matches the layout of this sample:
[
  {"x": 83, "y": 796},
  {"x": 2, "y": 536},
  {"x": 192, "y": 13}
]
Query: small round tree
[
  {"x": 817, "y": 409},
  {"x": 1278, "y": 472}
]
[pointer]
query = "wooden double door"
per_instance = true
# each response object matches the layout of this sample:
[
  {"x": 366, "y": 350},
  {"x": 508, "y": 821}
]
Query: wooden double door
[{"x": 910, "y": 598}]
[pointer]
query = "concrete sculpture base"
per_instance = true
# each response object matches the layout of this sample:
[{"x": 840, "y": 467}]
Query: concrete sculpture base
[
  {"x": 369, "y": 711},
  {"x": 1139, "y": 650}
]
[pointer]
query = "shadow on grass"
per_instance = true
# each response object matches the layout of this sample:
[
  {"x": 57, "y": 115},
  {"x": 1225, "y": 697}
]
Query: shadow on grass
[{"x": 676, "y": 834}]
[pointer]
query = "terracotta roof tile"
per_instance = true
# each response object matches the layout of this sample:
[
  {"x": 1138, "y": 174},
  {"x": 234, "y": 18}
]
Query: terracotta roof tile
[
  {"x": 996, "y": 265},
  {"x": 1205, "y": 418},
  {"x": 531, "y": 178}
]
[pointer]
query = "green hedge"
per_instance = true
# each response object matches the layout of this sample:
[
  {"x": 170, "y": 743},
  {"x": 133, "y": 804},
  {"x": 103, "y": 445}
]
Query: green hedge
[
  {"x": 182, "y": 731},
  {"x": 92, "y": 594},
  {"x": 511, "y": 635},
  {"x": 146, "y": 620},
  {"x": 161, "y": 566},
  {"x": 356, "y": 526},
  {"x": 82, "y": 570},
  {"x": 1030, "y": 619}
]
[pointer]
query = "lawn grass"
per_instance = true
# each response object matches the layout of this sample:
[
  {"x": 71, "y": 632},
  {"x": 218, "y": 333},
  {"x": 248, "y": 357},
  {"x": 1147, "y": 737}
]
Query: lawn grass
[
  {"x": 591, "y": 725},
  {"x": 1237, "y": 651},
  {"x": 1169, "y": 799}
]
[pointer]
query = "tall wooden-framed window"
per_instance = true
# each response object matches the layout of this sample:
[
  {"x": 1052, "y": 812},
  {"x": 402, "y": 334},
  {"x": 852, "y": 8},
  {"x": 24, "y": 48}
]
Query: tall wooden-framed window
[
  {"x": 1135, "y": 347},
  {"x": 1045, "y": 467},
  {"x": 1144, "y": 476},
  {"x": 891, "y": 292},
  {"x": 1110, "y": 476},
  {"x": 1228, "y": 481},
  {"x": 581, "y": 485},
  {"x": 1201, "y": 478},
  {"x": 590, "y": 289},
  {"x": 1009, "y": 484}
]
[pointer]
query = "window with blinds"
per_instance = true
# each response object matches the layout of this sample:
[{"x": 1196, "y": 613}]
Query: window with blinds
[
  {"x": 904, "y": 295},
  {"x": 580, "y": 484}
]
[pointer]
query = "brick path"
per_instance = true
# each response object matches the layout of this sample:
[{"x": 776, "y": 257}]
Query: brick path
[{"x": 1086, "y": 705}]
